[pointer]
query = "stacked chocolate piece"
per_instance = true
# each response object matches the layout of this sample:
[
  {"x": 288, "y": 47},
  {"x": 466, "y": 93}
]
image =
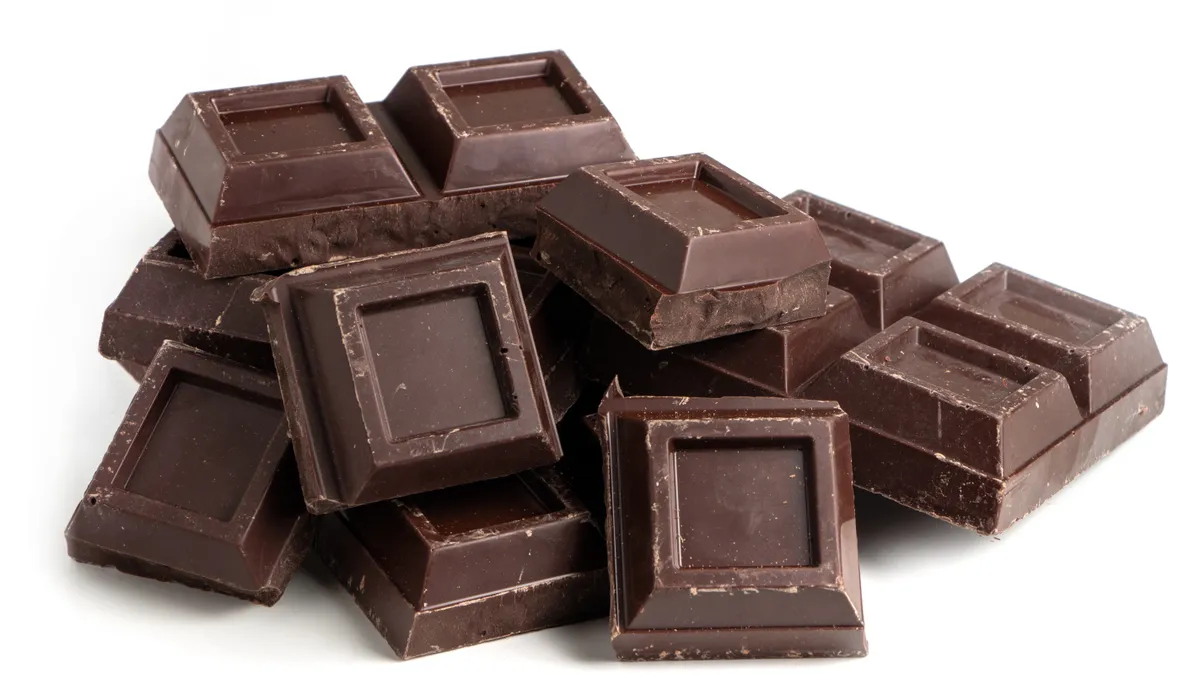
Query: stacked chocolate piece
[{"x": 501, "y": 375}]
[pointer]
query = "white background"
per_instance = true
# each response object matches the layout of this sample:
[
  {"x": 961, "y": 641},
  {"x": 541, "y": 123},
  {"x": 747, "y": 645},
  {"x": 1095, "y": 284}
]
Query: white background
[{"x": 1059, "y": 140}]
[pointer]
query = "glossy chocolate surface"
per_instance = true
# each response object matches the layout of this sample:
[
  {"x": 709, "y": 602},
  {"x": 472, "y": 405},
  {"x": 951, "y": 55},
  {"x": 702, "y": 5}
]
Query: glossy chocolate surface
[
  {"x": 167, "y": 299},
  {"x": 682, "y": 249},
  {"x": 199, "y": 485},
  {"x": 776, "y": 361},
  {"x": 981, "y": 434},
  {"x": 408, "y": 372},
  {"x": 731, "y": 528},
  {"x": 891, "y": 271},
  {"x": 469, "y": 564},
  {"x": 297, "y": 173}
]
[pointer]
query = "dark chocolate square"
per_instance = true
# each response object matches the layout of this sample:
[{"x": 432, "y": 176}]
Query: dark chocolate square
[
  {"x": 526, "y": 91},
  {"x": 409, "y": 372}
]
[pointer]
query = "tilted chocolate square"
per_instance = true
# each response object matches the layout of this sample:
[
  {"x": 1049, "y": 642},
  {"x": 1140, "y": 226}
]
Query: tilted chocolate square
[
  {"x": 469, "y": 564},
  {"x": 199, "y": 486},
  {"x": 891, "y": 271},
  {"x": 408, "y": 372},
  {"x": 731, "y": 528},
  {"x": 681, "y": 249}
]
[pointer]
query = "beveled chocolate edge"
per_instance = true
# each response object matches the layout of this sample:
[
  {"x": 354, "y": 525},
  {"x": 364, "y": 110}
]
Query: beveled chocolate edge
[
  {"x": 318, "y": 474},
  {"x": 646, "y": 322}
]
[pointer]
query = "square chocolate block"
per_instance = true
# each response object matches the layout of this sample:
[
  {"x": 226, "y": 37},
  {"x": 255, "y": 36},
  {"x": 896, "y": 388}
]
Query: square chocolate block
[
  {"x": 776, "y": 361},
  {"x": 471, "y": 563},
  {"x": 199, "y": 486},
  {"x": 513, "y": 119},
  {"x": 166, "y": 299},
  {"x": 971, "y": 434},
  {"x": 1101, "y": 350},
  {"x": 300, "y": 173},
  {"x": 680, "y": 250},
  {"x": 891, "y": 271},
  {"x": 731, "y": 528},
  {"x": 408, "y": 372}
]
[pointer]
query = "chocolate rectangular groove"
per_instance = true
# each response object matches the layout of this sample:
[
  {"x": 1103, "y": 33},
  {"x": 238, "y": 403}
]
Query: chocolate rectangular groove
[
  {"x": 690, "y": 192},
  {"x": 477, "y": 389},
  {"x": 937, "y": 361},
  {"x": 510, "y": 93},
  {"x": 1068, "y": 317},
  {"x": 280, "y": 121},
  {"x": 206, "y": 473},
  {"x": 753, "y": 493},
  {"x": 500, "y": 501}
]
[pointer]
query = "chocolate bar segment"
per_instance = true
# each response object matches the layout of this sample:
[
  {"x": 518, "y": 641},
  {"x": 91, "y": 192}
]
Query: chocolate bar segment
[
  {"x": 978, "y": 436},
  {"x": 298, "y": 173},
  {"x": 776, "y": 361},
  {"x": 1101, "y": 350},
  {"x": 680, "y": 250},
  {"x": 891, "y": 271},
  {"x": 408, "y": 372},
  {"x": 731, "y": 525},
  {"x": 167, "y": 299},
  {"x": 496, "y": 122},
  {"x": 199, "y": 485},
  {"x": 469, "y": 564}
]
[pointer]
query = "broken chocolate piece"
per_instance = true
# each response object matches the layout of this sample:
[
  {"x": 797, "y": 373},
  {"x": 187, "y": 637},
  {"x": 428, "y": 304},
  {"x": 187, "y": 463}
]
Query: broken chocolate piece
[
  {"x": 891, "y": 271},
  {"x": 408, "y": 372},
  {"x": 469, "y": 564},
  {"x": 199, "y": 485},
  {"x": 682, "y": 249},
  {"x": 297, "y": 173},
  {"x": 731, "y": 529}
]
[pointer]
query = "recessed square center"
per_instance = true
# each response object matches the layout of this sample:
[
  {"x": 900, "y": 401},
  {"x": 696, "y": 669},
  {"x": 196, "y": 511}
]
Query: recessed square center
[
  {"x": 467, "y": 508},
  {"x": 1043, "y": 307},
  {"x": 744, "y": 507},
  {"x": 307, "y": 125},
  {"x": 204, "y": 447},
  {"x": 512, "y": 101},
  {"x": 695, "y": 202},
  {"x": 435, "y": 364}
]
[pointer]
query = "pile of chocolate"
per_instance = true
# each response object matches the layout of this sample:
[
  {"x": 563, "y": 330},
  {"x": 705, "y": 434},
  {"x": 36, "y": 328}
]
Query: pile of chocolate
[{"x": 518, "y": 378}]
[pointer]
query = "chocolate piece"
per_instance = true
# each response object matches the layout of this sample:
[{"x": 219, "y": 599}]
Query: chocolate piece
[
  {"x": 891, "y": 271},
  {"x": 558, "y": 319},
  {"x": 297, "y": 173},
  {"x": 167, "y": 299},
  {"x": 976, "y": 435},
  {"x": 199, "y": 485},
  {"x": 776, "y": 361},
  {"x": 731, "y": 529},
  {"x": 408, "y": 372},
  {"x": 469, "y": 564},
  {"x": 681, "y": 249}
]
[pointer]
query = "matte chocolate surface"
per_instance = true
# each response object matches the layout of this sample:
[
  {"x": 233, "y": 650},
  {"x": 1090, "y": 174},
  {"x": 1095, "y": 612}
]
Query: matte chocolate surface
[
  {"x": 296, "y": 173},
  {"x": 408, "y": 372},
  {"x": 776, "y": 361},
  {"x": 891, "y": 271},
  {"x": 199, "y": 485},
  {"x": 167, "y": 299},
  {"x": 980, "y": 436},
  {"x": 681, "y": 249},
  {"x": 469, "y": 564},
  {"x": 731, "y": 529}
]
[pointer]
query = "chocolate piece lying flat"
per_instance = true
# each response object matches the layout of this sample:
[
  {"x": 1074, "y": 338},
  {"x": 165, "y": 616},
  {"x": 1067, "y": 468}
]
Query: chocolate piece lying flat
[
  {"x": 199, "y": 485},
  {"x": 731, "y": 529},
  {"x": 297, "y": 173},
  {"x": 891, "y": 271},
  {"x": 408, "y": 372},
  {"x": 167, "y": 299},
  {"x": 979, "y": 436},
  {"x": 681, "y": 249},
  {"x": 558, "y": 318},
  {"x": 469, "y": 564},
  {"x": 776, "y": 361}
]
